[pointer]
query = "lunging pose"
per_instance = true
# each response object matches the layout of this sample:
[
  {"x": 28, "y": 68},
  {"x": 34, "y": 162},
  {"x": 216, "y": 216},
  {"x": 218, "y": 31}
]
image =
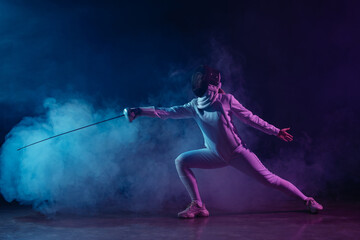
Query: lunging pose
[{"x": 213, "y": 110}]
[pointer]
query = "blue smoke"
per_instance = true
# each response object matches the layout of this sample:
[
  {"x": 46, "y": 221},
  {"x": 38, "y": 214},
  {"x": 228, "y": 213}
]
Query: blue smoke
[
  {"x": 75, "y": 169},
  {"x": 122, "y": 166},
  {"x": 112, "y": 166}
]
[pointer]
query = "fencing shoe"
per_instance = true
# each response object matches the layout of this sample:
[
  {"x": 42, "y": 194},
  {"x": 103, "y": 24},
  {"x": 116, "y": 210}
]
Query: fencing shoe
[
  {"x": 312, "y": 205},
  {"x": 194, "y": 210}
]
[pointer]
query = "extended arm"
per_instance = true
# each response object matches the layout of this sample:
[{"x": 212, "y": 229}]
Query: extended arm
[
  {"x": 256, "y": 122},
  {"x": 176, "y": 112},
  {"x": 249, "y": 118}
]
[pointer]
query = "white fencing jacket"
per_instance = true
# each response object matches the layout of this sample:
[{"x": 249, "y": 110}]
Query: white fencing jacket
[{"x": 214, "y": 117}]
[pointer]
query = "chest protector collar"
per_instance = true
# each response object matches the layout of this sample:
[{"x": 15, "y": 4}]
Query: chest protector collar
[{"x": 209, "y": 97}]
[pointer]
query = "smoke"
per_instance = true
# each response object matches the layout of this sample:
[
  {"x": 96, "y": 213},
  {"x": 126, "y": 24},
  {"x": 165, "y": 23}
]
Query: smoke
[
  {"x": 49, "y": 51},
  {"x": 112, "y": 166},
  {"x": 73, "y": 170},
  {"x": 119, "y": 166}
]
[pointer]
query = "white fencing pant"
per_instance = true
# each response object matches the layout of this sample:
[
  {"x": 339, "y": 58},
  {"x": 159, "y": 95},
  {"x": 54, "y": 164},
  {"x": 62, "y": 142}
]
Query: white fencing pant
[{"x": 242, "y": 159}]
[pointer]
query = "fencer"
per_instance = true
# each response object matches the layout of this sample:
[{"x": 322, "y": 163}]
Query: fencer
[{"x": 214, "y": 110}]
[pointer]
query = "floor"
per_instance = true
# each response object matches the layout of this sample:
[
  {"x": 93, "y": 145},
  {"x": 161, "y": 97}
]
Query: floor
[{"x": 340, "y": 220}]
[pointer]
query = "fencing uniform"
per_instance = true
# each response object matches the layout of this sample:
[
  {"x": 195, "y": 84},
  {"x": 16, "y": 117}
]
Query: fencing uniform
[{"x": 214, "y": 112}]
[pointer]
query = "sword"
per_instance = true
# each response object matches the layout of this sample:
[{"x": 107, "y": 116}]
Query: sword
[{"x": 77, "y": 129}]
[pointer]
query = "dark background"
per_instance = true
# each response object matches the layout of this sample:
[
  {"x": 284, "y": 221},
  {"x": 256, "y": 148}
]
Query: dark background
[{"x": 295, "y": 63}]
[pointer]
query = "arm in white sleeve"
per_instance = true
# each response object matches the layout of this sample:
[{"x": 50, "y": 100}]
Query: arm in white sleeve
[
  {"x": 176, "y": 112},
  {"x": 249, "y": 118}
]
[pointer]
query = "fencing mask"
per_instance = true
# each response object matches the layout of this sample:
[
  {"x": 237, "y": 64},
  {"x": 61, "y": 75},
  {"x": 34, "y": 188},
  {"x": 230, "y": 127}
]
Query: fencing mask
[{"x": 202, "y": 77}]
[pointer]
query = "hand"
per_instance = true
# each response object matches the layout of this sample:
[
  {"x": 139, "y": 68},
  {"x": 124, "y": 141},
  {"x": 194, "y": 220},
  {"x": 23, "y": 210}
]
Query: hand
[
  {"x": 283, "y": 135},
  {"x": 131, "y": 113}
]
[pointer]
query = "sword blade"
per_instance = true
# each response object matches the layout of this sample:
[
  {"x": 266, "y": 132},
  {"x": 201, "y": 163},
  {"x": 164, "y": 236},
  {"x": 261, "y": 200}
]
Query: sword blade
[{"x": 77, "y": 129}]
